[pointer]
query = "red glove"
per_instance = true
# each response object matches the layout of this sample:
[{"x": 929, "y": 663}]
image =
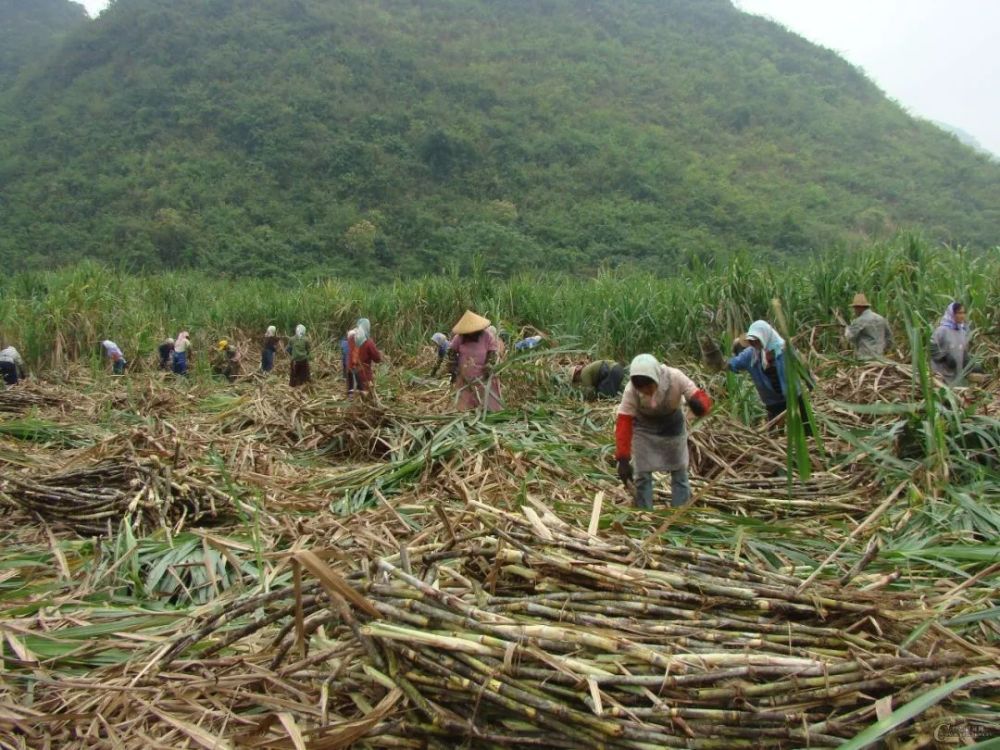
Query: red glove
[
  {"x": 623, "y": 436},
  {"x": 700, "y": 403}
]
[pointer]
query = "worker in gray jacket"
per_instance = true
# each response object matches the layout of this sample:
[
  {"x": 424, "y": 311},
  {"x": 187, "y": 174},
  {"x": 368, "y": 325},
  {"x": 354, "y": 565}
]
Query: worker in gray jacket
[
  {"x": 869, "y": 332},
  {"x": 950, "y": 345}
]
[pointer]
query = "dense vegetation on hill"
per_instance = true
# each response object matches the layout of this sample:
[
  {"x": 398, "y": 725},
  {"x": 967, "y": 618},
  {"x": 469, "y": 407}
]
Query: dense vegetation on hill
[
  {"x": 31, "y": 29},
  {"x": 246, "y": 136}
]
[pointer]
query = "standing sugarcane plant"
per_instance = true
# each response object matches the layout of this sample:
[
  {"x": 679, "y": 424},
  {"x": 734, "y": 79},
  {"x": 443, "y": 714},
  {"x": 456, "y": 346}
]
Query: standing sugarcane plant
[{"x": 799, "y": 417}]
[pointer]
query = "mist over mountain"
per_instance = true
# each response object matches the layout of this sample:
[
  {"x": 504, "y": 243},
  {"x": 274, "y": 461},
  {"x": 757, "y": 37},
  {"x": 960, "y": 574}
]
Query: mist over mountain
[{"x": 32, "y": 29}]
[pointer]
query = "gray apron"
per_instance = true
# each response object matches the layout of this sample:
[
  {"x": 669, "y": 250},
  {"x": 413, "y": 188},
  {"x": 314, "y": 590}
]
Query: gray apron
[{"x": 659, "y": 439}]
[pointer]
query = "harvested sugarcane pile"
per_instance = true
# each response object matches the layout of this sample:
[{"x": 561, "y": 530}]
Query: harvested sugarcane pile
[
  {"x": 21, "y": 399},
  {"x": 774, "y": 497},
  {"x": 508, "y": 630},
  {"x": 95, "y": 499}
]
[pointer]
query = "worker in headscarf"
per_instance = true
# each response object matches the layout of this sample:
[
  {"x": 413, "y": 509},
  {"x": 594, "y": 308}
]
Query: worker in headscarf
[
  {"x": 182, "y": 347},
  {"x": 651, "y": 430},
  {"x": 472, "y": 354},
  {"x": 950, "y": 345},
  {"x": 226, "y": 362},
  {"x": 11, "y": 366},
  {"x": 114, "y": 353},
  {"x": 602, "y": 378},
  {"x": 763, "y": 356},
  {"x": 869, "y": 333},
  {"x": 299, "y": 351},
  {"x": 268, "y": 349},
  {"x": 361, "y": 354},
  {"x": 165, "y": 352},
  {"x": 441, "y": 342}
]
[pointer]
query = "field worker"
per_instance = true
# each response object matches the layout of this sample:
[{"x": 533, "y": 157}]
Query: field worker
[
  {"x": 182, "y": 349},
  {"x": 299, "y": 350},
  {"x": 114, "y": 353},
  {"x": 11, "y": 366},
  {"x": 869, "y": 332},
  {"x": 651, "y": 429},
  {"x": 950, "y": 345},
  {"x": 529, "y": 343},
  {"x": 165, "y": 352},
  {"x": 501, "y": 344},
  {"x": 764, "y": 359},
  {"x": 471, "y": 356},
  {"x": 226, "y": 361},
  {"x": 441, "y": 341},
  {"x": 269, "y": 348},
  {"x": 361, "y": 354},
  {"x": 602, "y": 378}
]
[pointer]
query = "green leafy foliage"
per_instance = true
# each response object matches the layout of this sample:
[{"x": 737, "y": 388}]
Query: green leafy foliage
[{"x": 258, "y": 138}]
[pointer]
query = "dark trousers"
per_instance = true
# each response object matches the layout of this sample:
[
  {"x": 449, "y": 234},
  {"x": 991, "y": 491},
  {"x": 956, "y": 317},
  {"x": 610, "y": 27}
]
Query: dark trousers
[
  {"x": 299, "y": 374},
  {"x": 776, "y": 410},
  {"x": 9, "y": 372}
]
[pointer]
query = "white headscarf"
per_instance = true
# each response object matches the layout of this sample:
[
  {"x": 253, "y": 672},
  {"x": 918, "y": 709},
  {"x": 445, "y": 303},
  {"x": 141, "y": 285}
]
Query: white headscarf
[
  {"x": 300, "y": 330},
  {"x": 440, "y": 339},
  {"x": 645, "y": 365},
  {"x": 769, "y": 338},
  {"x": 362, "y": 331},
  {"x": 271, "y": 331}
]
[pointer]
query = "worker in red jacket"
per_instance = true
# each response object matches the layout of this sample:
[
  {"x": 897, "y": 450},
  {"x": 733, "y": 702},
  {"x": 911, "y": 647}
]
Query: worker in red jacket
[{"x": 651, "y": 429}]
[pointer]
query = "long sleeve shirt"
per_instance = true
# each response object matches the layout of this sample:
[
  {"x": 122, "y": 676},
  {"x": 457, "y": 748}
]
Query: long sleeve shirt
[
  {"x": 949, "y": 353},
  {"x": 770, "y": 381},
  {"x": 869, "y": 334}
]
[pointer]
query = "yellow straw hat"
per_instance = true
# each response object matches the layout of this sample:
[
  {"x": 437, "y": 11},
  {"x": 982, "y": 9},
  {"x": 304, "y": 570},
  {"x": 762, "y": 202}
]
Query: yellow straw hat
[
  {"x": 471, "y": 323},
  {"x": 860, "y": 300}
]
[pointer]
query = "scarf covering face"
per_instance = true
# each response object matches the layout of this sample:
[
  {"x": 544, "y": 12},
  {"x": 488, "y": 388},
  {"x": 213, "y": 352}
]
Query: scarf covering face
[
  {"x": 271, "y": 331},
  {"x": 300, "y": 330},
  {"x": 362, "y": 331},
  {"x": 769, "y": 338},
  {"x": 948, "y": 319},
  {"x": 440, "y": 339}
]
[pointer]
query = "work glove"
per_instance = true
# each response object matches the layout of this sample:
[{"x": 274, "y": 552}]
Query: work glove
[
  {"x": 700, "y": 403},
  {"x": 625, "y": 471}
]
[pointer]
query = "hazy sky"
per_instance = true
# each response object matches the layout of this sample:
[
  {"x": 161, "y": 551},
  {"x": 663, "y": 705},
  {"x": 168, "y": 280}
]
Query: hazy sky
[{"x": 938, "y": 58}]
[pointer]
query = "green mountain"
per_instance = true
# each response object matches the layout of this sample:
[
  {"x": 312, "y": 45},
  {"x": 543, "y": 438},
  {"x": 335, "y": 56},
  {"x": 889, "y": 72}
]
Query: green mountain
[
  {"x": 254, "y": 136},
  {"x": 32, "y": 29}
]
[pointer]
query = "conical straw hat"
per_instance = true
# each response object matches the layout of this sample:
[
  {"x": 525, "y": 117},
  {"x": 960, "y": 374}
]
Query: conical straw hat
[
  {"x": 860, "y": 300},
  {"x": 470, "y": 323}
]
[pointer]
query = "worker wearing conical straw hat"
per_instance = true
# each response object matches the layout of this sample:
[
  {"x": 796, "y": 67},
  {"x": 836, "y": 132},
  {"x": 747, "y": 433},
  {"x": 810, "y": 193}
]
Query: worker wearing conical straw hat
[
  {"x": 869, "y": 333},
  {"x": 651, "y": 430},
  {"x": 471, "y": 356}
]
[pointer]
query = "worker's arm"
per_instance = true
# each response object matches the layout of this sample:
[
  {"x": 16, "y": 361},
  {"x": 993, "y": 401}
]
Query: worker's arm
[
  {"x": 453, "y": 364},
  {"x": 889, "y": 342},
  {"x": 853, "y": 330},
  {"x": 742, "y": 361},
  {"x": 373, "y": 353}
]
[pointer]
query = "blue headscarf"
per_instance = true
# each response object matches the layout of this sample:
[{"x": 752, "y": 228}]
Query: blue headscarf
[{"x": 948, "y": 320}]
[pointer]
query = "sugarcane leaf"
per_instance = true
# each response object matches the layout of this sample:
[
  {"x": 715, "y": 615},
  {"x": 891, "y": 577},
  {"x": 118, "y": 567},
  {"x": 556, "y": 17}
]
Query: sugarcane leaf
[{"x": 911, "y": 709}]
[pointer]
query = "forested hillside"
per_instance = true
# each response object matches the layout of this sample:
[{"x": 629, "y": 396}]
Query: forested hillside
[
  {"x": 31, "y": 29},
  {"x": 253, "y": 136}
]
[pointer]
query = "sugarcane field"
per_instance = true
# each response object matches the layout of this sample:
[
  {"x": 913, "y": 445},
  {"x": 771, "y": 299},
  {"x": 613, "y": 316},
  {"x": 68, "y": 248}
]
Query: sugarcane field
[{"x": 350, "y": 555}]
